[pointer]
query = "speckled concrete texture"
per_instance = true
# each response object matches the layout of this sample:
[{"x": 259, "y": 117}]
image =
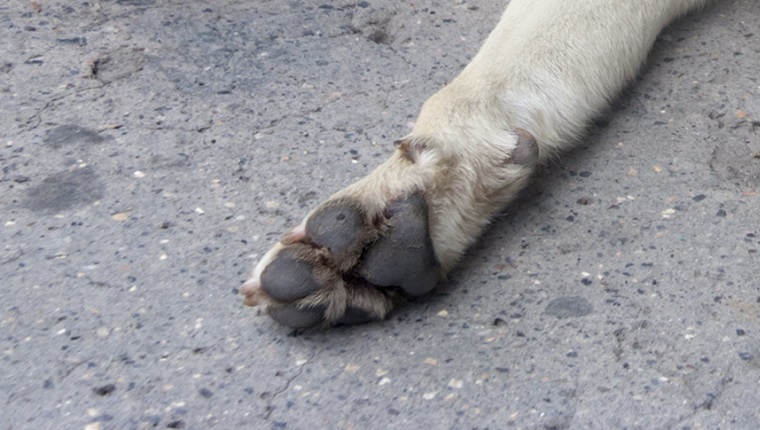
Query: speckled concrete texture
[{"x": 150, "y": 151}]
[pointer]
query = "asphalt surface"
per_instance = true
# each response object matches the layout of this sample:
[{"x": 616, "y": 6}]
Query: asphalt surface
[{"x": 151, "y": 151}]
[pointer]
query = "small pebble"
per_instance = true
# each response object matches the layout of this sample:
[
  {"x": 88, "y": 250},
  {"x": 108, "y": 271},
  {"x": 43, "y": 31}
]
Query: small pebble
[
  {"x": 104, "y": 390},
  {"x": 456, "y": 383}
]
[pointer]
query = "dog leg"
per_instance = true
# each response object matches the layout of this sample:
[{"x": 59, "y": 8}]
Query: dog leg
[{"x": 545, "y": 71}]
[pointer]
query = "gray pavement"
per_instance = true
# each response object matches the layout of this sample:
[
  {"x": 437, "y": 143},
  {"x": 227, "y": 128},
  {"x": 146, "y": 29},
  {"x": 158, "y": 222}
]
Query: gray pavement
[{"x": 152, "y": 150}]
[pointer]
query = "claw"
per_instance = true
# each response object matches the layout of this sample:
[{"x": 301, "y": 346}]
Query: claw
[{"x": 253, "y": 295}]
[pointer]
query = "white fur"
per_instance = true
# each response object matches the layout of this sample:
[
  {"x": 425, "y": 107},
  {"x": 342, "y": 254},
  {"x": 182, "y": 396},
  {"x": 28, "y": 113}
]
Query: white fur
[{"x": 549, "y": 67}]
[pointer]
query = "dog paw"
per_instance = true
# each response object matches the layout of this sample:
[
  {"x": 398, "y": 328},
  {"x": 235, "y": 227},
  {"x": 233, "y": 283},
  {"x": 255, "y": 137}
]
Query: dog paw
[
  {"x": 347, "y": 263},
  {"x": 393, "y": 234}
]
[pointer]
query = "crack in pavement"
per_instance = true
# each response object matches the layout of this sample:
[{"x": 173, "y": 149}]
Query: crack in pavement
[{"x": 270, "y": 404}]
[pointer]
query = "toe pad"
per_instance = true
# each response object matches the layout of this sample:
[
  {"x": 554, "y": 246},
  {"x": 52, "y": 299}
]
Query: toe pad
[
  {"x": 294, "y": 317},
  {"x": 341, "y": 229},
  {"x": 288, "y": 278}
]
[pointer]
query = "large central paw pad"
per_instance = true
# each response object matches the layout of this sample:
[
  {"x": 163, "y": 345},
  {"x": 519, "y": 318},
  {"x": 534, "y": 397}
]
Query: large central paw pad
[
  {"x": 346, "y": 266},
  {"x": 403, "y": 257}
]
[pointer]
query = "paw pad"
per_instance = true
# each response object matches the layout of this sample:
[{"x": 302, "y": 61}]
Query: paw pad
[
  {"x": 404, "y": 256},
  {"x": 347, "y": 269},
  {"x": 288, "y": 278}
]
